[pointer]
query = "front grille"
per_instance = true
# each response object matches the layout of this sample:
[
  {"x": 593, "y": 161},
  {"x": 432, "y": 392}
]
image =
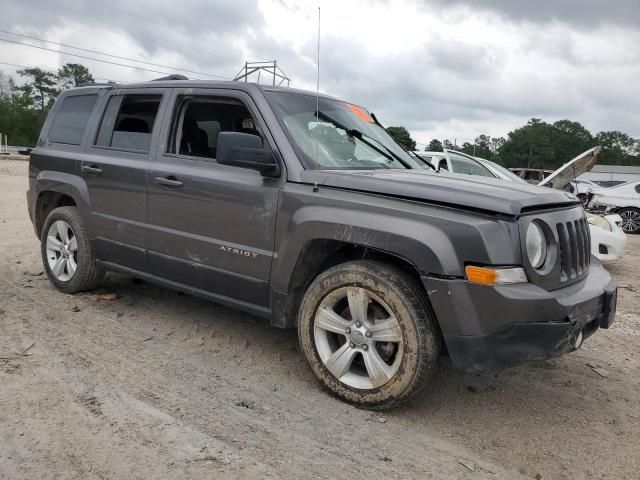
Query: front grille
[{"x": 574, "y": 242}]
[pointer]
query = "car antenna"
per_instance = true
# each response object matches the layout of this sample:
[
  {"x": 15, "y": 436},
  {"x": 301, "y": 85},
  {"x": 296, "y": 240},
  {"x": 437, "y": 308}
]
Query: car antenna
[{"x": 315, "y": 184}]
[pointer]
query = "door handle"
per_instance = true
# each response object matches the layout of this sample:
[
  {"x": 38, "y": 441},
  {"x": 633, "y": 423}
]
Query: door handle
[
  {"x": 91, "y": 169},
  {"x": 169, "y": 181}
]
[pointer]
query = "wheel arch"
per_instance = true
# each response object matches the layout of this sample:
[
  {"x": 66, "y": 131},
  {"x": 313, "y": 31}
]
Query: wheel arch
[
  {"x": 318, "y": 255},
  {"x": 48, "y": 201},
  {"x": 58, "y": 189}
]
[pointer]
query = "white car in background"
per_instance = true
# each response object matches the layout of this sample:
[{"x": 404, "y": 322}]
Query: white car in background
[
  {"x": 608, "y": 239},
  {"x": 581, "y": 189},
  {"x": 622, "y": 199}
]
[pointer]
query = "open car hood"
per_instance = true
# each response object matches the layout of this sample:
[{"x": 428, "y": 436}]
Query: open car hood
[{"x": 572, "y": 169}]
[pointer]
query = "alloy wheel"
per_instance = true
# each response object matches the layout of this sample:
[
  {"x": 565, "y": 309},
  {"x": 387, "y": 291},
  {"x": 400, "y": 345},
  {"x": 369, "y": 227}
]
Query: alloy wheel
[
  {"x": 630, "y": 221},
  {"x": 358, "y": 338},
  {"x": 62, "y": 250}
]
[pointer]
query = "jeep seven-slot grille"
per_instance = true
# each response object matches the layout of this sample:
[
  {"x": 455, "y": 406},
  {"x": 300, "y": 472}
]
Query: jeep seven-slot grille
[{"x": 574, "y": 244}]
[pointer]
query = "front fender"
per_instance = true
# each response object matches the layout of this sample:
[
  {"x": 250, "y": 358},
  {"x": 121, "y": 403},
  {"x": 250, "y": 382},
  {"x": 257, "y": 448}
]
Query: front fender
[{"x": 436, "y": 240}]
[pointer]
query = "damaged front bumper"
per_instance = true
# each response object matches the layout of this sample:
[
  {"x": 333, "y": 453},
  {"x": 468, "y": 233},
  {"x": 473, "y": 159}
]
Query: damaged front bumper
[{"x": 489, "y": 328}]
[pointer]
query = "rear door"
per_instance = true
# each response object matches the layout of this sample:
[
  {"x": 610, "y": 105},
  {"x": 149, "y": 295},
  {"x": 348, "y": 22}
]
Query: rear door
[
  {"x": 115, "y": 171},
  {"x": 211, "y": 225}
]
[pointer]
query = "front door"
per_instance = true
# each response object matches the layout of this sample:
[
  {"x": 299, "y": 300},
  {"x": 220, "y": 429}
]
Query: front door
[
  {"x": 211, "y": 226},
  {"x": 115, "y": 171}
]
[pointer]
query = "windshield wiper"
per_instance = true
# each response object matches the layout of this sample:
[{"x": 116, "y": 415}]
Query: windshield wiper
[
  {"x": 427, "y": 163},
  {"x": 352, "y": 132},
  {"x": 396, "y": 156}
]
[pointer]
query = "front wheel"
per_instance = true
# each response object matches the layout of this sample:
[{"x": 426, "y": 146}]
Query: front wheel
[
  {"x": 630, "y": 219},
  {"x": 368, "y": 333}
]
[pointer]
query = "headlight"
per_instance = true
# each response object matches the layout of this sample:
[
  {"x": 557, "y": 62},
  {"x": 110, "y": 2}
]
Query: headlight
[
  {"x": 536, "y": 245},
  {"x": 598, "y": 221}
]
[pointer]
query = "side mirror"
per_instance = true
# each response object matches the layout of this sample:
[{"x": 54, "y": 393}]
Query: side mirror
[{"x": 245, "y": 151}]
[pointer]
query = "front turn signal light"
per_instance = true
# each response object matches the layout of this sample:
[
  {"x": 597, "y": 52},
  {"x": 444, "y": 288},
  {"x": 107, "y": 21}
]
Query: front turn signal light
[{"x": 495, "y": 275}]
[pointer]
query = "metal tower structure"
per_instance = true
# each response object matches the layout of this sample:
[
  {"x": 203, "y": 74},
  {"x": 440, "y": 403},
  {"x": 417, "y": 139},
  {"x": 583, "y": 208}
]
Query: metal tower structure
[{"x": 271, "y": 69}]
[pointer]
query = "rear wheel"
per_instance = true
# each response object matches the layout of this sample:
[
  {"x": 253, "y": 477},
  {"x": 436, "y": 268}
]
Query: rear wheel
[
  {"x": 630, "y": 219},
  {"x": 368, "y": 333},
  {"x": 66, "y": 252}
]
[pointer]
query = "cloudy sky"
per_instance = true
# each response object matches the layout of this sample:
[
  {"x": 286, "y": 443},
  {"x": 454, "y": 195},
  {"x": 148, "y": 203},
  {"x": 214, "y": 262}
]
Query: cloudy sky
[{"x": 442, "y": 68}]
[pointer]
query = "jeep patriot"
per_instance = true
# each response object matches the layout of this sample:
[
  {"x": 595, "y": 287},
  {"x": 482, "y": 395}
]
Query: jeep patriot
[{"x": 304, "y": 211}]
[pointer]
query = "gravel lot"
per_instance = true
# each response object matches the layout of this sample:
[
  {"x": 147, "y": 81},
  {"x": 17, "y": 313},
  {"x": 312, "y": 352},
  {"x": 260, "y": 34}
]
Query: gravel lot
[{"x": 155, "y": 384}]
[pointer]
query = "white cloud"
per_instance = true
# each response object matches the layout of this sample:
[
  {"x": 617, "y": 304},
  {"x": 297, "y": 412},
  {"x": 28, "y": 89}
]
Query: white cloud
[{"x": 442, "y": 69}]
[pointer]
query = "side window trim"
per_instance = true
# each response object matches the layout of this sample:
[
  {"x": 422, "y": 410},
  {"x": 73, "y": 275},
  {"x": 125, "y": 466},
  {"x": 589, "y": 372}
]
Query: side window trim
[{"x": 106, "y": 114}]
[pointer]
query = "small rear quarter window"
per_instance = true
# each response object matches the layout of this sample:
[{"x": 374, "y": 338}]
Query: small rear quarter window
[{"x": 71, "y": 119}]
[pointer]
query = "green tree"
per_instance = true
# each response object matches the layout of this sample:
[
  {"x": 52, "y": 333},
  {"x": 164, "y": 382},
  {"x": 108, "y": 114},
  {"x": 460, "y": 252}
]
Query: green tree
[
  {"x": 402, "y": 137},
  {"x": 74, "y": 74},
  {"x": 618, "y": 148},
  {"x": 570, "y": 139},
  {"x": 468, "y": 148},
  {"x": 446, "y": 143},
  {"x": 41, "y": 86},
  {"x": 482, "y": 148},
  {"x": 530, "y": 146},
  {"x": 18, "y": 119},
  {"x": 496, "y": 144},
  {"x": 542, "y": 145},
  {"x": 435, "y": 145}
]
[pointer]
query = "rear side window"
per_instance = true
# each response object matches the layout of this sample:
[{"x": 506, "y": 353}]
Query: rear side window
[
  {"x": 71, "y": 119},
  {"x": 128, "y": 122}
]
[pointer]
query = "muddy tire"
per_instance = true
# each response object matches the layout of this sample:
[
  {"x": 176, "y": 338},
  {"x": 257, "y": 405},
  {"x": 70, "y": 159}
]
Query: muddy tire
[
  {"x": 66, "y": 252},
  {"x": 368, "y": 333}
]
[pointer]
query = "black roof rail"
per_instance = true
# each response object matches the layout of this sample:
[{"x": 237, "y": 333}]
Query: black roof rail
[
  {"x": 96, "y": 84},
  {"x": 175, "y": 76}
]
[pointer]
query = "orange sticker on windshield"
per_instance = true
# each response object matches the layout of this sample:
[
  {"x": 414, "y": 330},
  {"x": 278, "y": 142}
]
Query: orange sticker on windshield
[{"x": 361, "y": 113}]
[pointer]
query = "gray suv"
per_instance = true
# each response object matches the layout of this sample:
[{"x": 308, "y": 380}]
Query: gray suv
[{"x": 304, "y": 211}]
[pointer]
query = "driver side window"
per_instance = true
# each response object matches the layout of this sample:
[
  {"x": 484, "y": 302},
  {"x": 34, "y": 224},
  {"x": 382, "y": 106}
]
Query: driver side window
[{"x": 199, "y": 119}]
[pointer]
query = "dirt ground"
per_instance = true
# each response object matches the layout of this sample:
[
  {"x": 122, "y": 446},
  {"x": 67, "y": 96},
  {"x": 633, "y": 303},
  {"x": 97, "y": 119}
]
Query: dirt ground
[{"x": 155, "y": 384}]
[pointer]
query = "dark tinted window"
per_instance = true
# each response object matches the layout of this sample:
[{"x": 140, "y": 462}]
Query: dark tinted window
[
  {"x": 638, "y": 188},
  {"x": 608, "y": 183},
  {"x": 71, "y": 119},
  {"x": 199, "y": 120},
  {"x": 128, "y": 122}
]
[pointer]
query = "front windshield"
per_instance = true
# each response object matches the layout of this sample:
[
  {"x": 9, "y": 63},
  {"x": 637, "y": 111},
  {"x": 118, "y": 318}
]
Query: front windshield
[{"x": 320, "y": 143}]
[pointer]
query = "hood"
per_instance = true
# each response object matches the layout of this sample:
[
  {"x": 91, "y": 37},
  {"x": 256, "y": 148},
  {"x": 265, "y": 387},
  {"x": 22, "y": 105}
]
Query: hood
[
  {"x": 473, "y": 193},
  {"x": 571, "y": 170}
]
